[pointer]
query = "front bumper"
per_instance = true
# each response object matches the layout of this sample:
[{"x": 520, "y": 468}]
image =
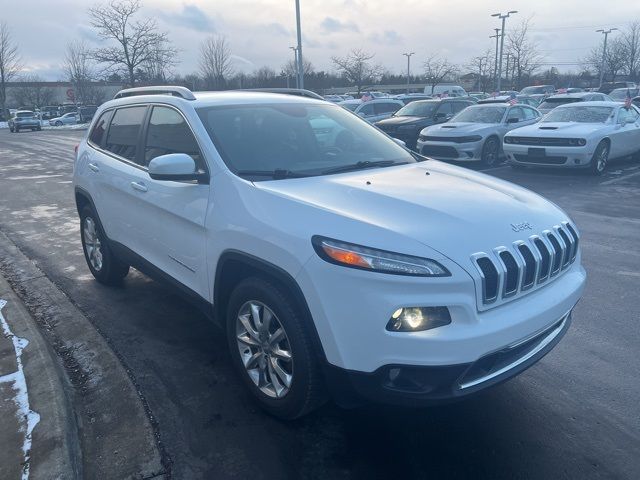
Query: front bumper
[
  {"x": 564, "y": 157},
  {"x": 459, "y": 152},
  {"x": 409, "y": 385}
]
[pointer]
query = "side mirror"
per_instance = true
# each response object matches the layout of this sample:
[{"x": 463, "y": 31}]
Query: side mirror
[
  {"x": 400, "y": 142},
  {"x": 512, "y": 120},
  {"x": 175, "y": 167}
]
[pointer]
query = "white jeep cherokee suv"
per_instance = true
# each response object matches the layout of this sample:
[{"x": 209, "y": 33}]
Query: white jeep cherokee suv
[{"x": 338, "y": 262}]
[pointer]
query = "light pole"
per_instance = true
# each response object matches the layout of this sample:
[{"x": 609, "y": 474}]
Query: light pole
[
  {"x": 503, "y": 18},
  {"x": 495, "y": 64},
  {"x": 408, "y": 55},
  {"x": 300, "y": 68},
  {"x": 295, "y": 67},
  {"x": 506, "y": 71},
  {"x": 604, "y": 52}
]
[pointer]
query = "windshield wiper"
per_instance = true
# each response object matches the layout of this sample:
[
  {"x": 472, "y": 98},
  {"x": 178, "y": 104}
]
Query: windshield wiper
[
  {"x": 362, "y": 165},
  {"x": 277, "y": 174}
]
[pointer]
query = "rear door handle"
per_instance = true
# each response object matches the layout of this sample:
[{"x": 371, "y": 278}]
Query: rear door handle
[
  {"x": 94, "y": 167},
  {"x": 141, "y": 187}
]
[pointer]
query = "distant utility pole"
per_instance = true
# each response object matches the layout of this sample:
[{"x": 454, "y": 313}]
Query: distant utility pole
[
  {"x": 300, "y": 64},
  {"x": 408, "y": 55},
  {"x": 503, "y": 18},
  {"x": 604, "y": 52},
  {"x": 495, "y": 64},
  {"x": 295, "y": 67}
]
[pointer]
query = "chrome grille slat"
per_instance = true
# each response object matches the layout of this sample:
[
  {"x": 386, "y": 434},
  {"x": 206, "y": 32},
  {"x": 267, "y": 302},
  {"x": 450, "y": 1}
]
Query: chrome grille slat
[{"x": 506, "y": 272}]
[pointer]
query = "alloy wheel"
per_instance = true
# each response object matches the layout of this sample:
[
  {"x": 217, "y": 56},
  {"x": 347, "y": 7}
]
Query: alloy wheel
[
  {"x": 92, "y": 244},
  {"x": 264, "y": 349},
  {"x": 602, "y": 160}
]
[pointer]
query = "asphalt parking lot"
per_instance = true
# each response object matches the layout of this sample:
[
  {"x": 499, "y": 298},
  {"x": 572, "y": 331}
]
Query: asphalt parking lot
[{"x": 573, "y": 415}]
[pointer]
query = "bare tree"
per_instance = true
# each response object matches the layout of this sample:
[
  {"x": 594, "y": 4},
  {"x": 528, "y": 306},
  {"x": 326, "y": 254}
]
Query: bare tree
[
  {"x": 264, "y": 77},
  {"x": 9, "y": 62},
  {"x": 482, "y": 66},
  {"x": 81, "y": 72},
  {"x": 523, "y": 52},
  {"x": 437, "y": 69},
  {"x": 216, "y": 65},
  {"x": 357, "y": 68},
  {"x": 290, "y": 69},
  {"x": 630, "y": 39},
  {"x": 32, "y": 92},
  {"x": 614, "y": 61},
  {"x": 138, "y": 42}
]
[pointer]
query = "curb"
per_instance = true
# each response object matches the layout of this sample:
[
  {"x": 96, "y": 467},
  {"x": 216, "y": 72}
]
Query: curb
[
  {"x": 115, "y": 437},
  {"x": 55, "y": 449}
]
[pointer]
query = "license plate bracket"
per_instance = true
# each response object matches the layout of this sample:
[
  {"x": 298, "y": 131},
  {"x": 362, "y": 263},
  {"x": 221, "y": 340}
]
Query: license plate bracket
[{"x": 537, "y": 152}]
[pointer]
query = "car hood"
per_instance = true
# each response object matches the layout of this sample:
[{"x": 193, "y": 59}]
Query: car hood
[
  {"x": 452, "y": 210},
  {"x": 557, "y": 129},
  {"x": 402, "y": 120},
  {"x": 456, "y": 129}
]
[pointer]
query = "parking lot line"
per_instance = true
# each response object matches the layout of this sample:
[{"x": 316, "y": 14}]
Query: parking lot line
[{"x": 623, "y": 177}]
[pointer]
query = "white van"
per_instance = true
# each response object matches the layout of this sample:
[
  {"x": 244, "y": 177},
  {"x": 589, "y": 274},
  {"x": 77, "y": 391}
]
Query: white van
[{"x": 451, "y": 90}]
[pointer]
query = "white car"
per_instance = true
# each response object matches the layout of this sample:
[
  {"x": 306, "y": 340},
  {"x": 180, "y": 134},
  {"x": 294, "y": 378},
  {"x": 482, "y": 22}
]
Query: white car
[
  {"x": 66, "y": 119},
  {"x": 577, "y": 135},
  {"x": 554, "y": 101},
  {"x": 373, "y": 110},
  {"x": 354, "y": 269}
]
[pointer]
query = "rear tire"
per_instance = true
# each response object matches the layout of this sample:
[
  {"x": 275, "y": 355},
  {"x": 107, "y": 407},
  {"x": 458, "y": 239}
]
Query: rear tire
[
  {"x": 600, "y": 159},
  {"x": 104, "y": 265},
  {"x": 267, "y": 359},
  {"x": 490, "y": 152}
]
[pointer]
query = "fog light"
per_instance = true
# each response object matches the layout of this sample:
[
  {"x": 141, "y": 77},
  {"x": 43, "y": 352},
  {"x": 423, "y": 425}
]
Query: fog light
[{"x": 416, "y": 319}]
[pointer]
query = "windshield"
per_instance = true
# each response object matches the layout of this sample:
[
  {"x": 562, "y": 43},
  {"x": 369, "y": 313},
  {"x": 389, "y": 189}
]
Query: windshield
[
  {"x": 554, "y": 102},
  {"x": 418, "y": 109},
  {"x": 350, "y": 106},
  {"x": 620, "y": 94},
  {"x": 533, "y": 90},
  {"x": 586, "y": 114},
  {"x": 480, "y": 114},
  {"x": 297, "y": 139}
]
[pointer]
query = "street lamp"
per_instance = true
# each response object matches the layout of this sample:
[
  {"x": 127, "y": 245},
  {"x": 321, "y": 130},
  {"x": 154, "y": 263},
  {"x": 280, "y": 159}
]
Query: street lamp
[
  {"x": 300, "y": 68},
  {"x": 604, "y": 52},
  {"x": 295, "y": 66},
  {"x": 408, "y": 55},
  {"x": 495, "y": 64},
  {"x": 503, "y": 18}
]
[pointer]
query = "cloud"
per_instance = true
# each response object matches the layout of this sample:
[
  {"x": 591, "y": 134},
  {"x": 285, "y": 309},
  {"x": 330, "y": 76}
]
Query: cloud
[
  {"x": 388, "y": 37},
  {"x": 276, "y": 28},
  {"x": 333, "y": 25},
  {"x": 191, "y": 17}
]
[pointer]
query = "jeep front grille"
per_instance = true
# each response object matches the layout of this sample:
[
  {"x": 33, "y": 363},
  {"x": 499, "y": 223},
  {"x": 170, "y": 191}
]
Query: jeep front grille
[{"x": 509, "y": 271}]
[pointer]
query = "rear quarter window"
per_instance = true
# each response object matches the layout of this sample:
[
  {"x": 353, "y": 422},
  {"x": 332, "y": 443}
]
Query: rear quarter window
[{"x": 97, "y": 135}]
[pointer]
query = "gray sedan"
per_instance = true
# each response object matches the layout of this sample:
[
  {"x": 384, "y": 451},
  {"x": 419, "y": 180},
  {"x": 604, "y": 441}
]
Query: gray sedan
[
  {"x": 66, "y": 119},
  {"x": 476, "y": 133}
]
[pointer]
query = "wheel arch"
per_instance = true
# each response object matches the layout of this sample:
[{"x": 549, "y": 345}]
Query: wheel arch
[{"x": 233, "y": 266}]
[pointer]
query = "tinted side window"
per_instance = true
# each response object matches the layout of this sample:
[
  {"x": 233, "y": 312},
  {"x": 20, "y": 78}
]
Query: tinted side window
[
  {"x": 516, "y": 112},
  {"x": 445, "y": 109},
  {"x": 168, "y": 132},
  {"x": 97, "y": 134},
  {"x": 122, "y": 138},
  {"x": 459, "y": 106},
  {"x": 366, "y": 109},
  {"x": 385, "y": 107},
  {"x": 529, "y": 113}
]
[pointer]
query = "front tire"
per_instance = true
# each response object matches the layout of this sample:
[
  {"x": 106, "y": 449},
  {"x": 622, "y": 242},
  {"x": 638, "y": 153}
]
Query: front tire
[
  {"x": 600, "y": 159},
  {"x": 104, "y": 265},
  {"x": 272, "y": 350},
  {"x": 490, "y": 152}
]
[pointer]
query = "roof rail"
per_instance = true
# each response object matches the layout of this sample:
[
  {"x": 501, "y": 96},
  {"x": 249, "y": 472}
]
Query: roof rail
[{"x": 174, "y": 91}]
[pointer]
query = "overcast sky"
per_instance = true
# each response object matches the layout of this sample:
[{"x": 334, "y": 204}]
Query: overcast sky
[{"x": 261, "y": 31}]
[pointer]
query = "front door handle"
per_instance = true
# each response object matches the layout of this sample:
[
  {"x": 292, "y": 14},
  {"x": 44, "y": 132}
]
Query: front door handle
[
  {"x": 141, "y": 187},
  {"x": 93, "y": 167}
]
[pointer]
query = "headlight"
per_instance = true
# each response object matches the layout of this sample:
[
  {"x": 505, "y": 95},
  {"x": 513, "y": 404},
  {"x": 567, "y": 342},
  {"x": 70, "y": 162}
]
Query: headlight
[
  {"x": 472, "y": 138},
  {"x": 507, "y": 139},
  {"x": 364, "y": 258}
]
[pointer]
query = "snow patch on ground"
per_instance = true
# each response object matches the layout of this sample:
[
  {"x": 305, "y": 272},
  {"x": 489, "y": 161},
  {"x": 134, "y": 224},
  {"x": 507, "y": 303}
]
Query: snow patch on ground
[{"x": 27, "y": 417}]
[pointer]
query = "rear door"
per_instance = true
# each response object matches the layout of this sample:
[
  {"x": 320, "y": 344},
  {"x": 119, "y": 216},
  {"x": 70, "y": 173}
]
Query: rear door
[{"x": 626, "y": 136}]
